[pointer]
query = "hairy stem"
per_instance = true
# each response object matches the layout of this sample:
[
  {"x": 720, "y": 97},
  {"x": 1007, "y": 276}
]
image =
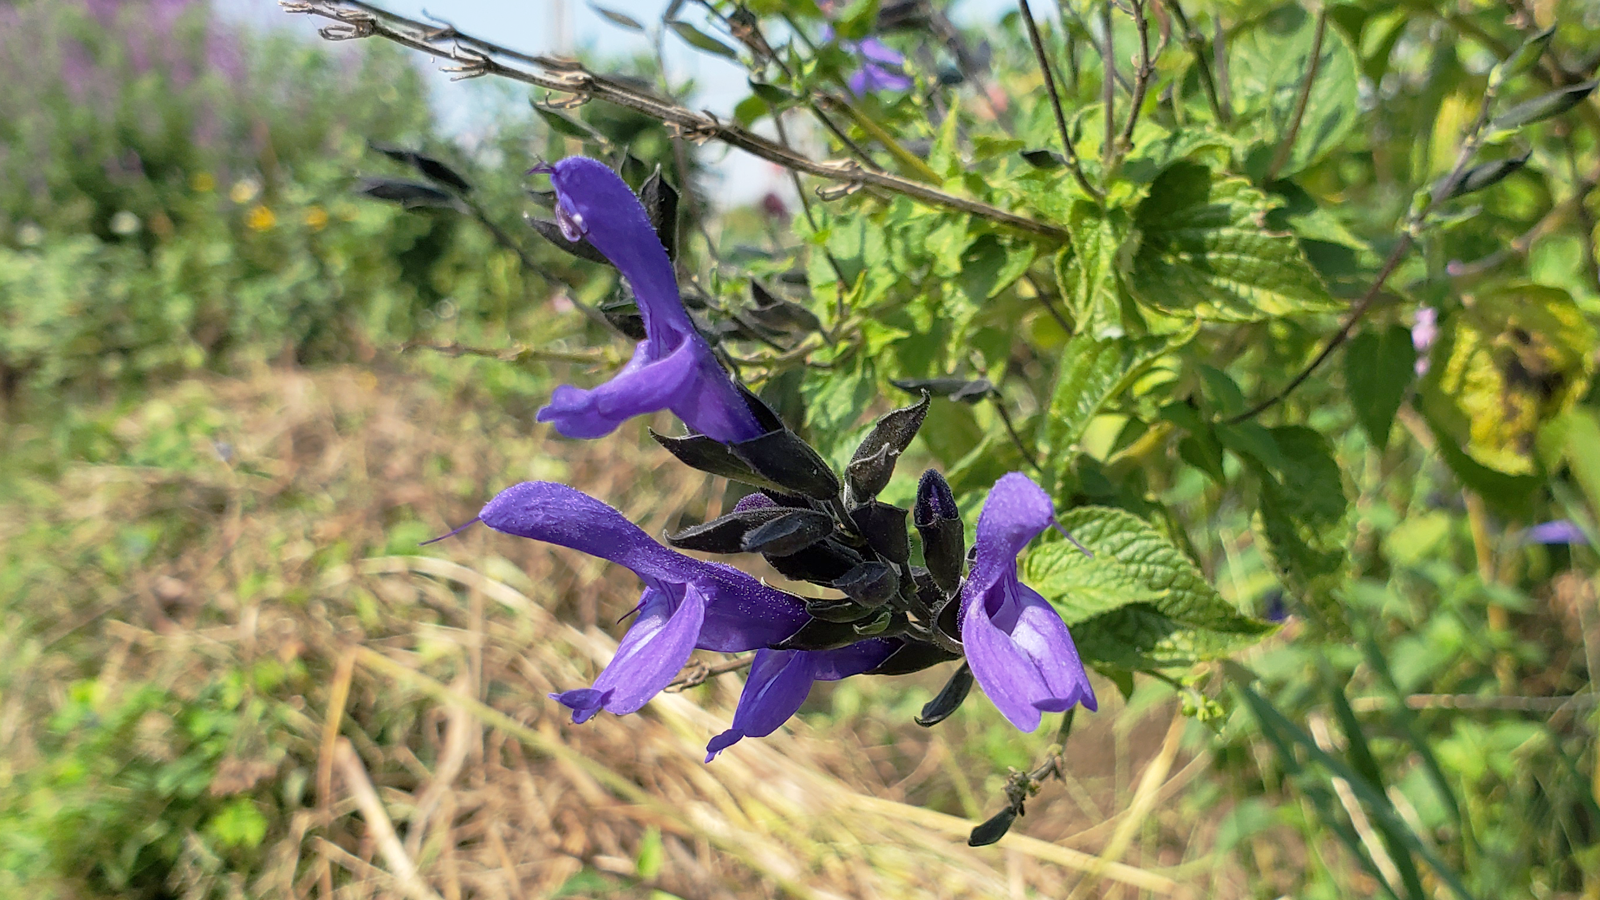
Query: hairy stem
[{"x": 1068, "y": 149}]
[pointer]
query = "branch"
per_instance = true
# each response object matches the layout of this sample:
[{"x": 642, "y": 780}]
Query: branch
[
  {"x": 476, "y": 58},
  {"x": 1142, "y": 76},
  {"x": 1196, "y": 44},
  {"x": 698, "y": 673},
  {"x": 1286, "y": 145},
  {"x": 1408, "y": 236},
  {"x": 1109, "y": 93},
  {"x": 1070, "y": 152}
]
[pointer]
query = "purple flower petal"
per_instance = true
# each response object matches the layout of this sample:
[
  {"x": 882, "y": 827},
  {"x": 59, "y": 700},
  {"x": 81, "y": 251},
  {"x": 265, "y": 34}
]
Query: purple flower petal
[
  {"x": 1020, "y": 651},
  {"x": 1560, "y": 531},
  {"x": 780, "y": 681},
  {"x": 686, "y": 603},
  {"x": 673, "y": 368}
]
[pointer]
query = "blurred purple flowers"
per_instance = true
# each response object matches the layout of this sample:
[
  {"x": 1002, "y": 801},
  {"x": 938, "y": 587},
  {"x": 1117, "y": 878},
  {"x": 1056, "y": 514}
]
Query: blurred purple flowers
[
  {"x": 1019, "y": 649},
  {"x": 1560, "y": 531},
  {"x": 673, "y": 367},
  {"x": 1424, "y": 331},
  {"x": 686, "y": 603},
  {"x": 882, "y": 69}
]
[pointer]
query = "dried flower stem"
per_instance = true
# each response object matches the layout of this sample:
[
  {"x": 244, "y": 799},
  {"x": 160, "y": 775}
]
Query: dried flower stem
[
  {"x": 476, "y": 58},
  {"x": 1069, "y": 151}
]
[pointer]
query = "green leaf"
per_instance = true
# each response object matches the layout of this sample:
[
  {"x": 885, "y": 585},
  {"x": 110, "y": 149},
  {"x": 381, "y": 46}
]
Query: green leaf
[
  {"x": 647, "y": 864},
  {"x": 1091, "y": 374},
  {"x": 1301, "y": 519},
  {"x": 835, "y": 401},
  {"x": 1204, "y": 250},
  {"x": 698, "y": 39},
  {"x": 239, "y": 824},
  {"x": 1266, "y": 68},
  {"x": 1139, "y": 603},
  {"x": 1086, "y": 269},
  {"x": 1502, "y": 367},
  {"x": 1379, "y": 366}
]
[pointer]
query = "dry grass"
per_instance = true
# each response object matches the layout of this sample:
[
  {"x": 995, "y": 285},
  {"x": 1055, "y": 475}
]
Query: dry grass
[{"x": 435, "y": 766}]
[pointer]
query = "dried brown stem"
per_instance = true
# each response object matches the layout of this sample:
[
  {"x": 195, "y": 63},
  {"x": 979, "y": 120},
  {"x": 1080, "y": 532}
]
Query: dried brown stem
[
  {"x": 1196, "y": 43},
  {"x": 1142, "y": 75},
  {"x": 1069, "y": 151},
  {"x": 476, "y": 58}
]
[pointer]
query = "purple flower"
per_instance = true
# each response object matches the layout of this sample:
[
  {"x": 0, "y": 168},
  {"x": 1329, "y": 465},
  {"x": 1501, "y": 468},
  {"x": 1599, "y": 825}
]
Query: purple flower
[
  {"x": 1424, "y": 331},
  {"x": 686, "y": 603},
  {"x": 1561, "y": 531},
  {"x": 882, "y": 69},
  {"x": 1017, "y": 645},
  {"x": 673, "y": 367},
  {"x": 780, "y": 680}
]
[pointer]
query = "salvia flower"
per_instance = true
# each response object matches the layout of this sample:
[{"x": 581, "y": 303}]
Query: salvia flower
[
  {"x": 780, "y": 680},
  {"x": 1019, "y": 649},
  {"x": 686, "y": 603},
  {"x": 673, "y": 367},
  {"x": 882, "y": 69}
]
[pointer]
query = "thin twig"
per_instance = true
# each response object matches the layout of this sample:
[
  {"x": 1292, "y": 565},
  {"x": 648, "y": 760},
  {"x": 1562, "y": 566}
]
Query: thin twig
[
  {"x": 698, "y": 673},
  {"x": 1302, "y": 100},
  {"x": 477, "y": 58},
  {"x": 1011, "y": 429},
  {"x": 379, "y": 826},
  {"x": 1196, "y": 43},
  {"x": 908, "y": 161},
  {"x": 513, "y": 353},
  {"x": 1069, "y": 151},
  {"x": 1408, "y": 236},
  {"x": 1108, "y": 93},
  {"x": 1141, "y": 76},
  {"x": 1044, "y": 300}
]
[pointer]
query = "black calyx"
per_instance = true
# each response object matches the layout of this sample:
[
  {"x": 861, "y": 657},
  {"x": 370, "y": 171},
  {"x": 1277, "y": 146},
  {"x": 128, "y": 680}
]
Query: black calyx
[
  {"x": 884, "y": 527},
  {"x": 938, "y": 523},
  {"x": 820, "y": 634},
  {"x": 700, "y": 452},
  {"x": 959, "y": 389},
  {"x": 550, "y": 231},
  {"x": 410, "y": 194},
  {"x": 660, "y": 201},
  {"x": 949, "y": 698},
  {"x": 873, "y": 463},
  {"x": 913, "y": 657},
  {"x": 432, "y": 169},
  {"x": 871, "y": 584},
  {"x": 725, "y": 534},
  {"x": 791, "y": 531},
  {"x": 994, "y": 829},
  {"x": 778, "y": 316},
  {"x": 782, "y": 458},
  {"x": 821, "y": 563}
]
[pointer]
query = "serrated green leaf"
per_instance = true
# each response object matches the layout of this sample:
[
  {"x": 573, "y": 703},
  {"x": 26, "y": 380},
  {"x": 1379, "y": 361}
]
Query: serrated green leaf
[
  {"x": 1169, "y": 614},
  {"x": 1091, "y": 374},
  {"x": 698, "y": 39},
  {"x": 1266, "y": 68},
  {"x": 1205, "y": 250},
  {"x": 1301, "y": 519},
  {"x": 1086, "y": 269},
  {"x": 1379, "y": 366}
]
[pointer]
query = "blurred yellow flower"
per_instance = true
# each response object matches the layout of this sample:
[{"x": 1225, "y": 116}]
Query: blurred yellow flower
[
  {"x": 244, "y": 190},
  {"x": 260, "y": 218},
  {"x": 316, "y": 218},
  {"x": 203, "y": 182}
]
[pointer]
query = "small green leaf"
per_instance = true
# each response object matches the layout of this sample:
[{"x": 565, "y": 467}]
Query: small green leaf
[
  {"x": 1379, "y": 365},
  {"x": 1091, "y": 374},
  {"x": 239, "y": 824},
  {"x": 1086, "y": 269},
  {"x": 561, "y": 124},
  {"x": 1168, "y": 614},
  {"x": 698, "y": 39},
  {"x": 1206, "y": 251}
]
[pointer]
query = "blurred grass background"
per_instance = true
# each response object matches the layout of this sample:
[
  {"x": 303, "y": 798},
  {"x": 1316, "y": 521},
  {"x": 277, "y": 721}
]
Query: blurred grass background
[{"x": 228, "y": 669}]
